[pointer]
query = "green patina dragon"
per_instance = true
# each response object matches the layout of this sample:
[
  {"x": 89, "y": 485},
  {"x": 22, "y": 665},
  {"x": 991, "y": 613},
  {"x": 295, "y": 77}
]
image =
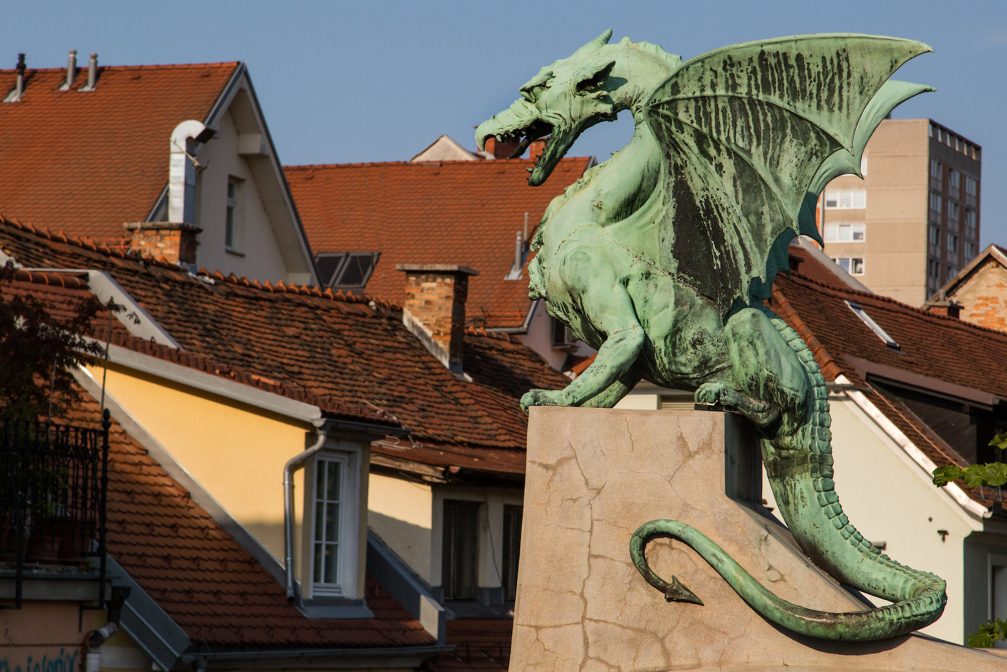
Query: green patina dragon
[{"x": 663, "y": 256}]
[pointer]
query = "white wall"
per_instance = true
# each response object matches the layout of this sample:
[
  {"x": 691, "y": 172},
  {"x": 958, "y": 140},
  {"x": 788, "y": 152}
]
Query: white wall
[
  {"x": 259, "y": 256},
  {"x": 539, "y": 338},
  {"x": 401, "y": 513}
]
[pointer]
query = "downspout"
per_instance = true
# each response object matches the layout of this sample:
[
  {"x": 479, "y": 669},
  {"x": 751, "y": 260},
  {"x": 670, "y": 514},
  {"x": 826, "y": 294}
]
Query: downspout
[
  {"x": 92, "y": 659},
  {"x": 293, "y": 464}
]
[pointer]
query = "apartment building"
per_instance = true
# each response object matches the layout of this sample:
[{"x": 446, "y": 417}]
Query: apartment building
[{"x": 913, "y": 222}]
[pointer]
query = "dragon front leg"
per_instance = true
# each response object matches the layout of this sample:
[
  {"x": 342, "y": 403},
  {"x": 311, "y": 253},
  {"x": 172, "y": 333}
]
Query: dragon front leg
[{"x": 610, "y": 312}]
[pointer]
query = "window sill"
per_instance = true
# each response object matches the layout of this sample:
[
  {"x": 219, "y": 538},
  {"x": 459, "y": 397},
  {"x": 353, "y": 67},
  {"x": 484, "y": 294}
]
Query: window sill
[{"x": 335, "y": 608}]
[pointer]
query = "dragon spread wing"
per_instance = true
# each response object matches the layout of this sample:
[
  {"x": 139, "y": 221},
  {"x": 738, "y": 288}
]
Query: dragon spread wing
[{"x": 751, "y": 134}]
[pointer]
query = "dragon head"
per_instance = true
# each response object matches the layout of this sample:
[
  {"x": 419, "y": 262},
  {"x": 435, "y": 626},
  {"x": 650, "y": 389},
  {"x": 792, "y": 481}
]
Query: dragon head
[{"x": 560, "y": 102}]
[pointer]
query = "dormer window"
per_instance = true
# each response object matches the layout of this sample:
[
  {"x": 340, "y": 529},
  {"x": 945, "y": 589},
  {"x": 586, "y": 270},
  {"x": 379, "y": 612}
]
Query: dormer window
[
  {"x": 348, "y": 271},
  {"x": 332, "y": 522}
]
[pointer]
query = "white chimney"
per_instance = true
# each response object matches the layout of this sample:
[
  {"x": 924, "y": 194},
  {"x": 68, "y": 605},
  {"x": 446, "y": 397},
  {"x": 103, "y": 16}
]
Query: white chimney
[
  {"x": 71, "y": 70},
  {"x": 182, "y": 170}
]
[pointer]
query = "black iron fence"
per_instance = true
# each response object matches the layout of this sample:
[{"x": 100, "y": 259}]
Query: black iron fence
[{"x": 53, "y": 497}]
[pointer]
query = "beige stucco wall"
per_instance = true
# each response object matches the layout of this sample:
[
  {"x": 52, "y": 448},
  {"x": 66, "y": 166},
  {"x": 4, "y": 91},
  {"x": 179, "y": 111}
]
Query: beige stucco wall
[
  {"x": 47, "y": 636},
  {"x": 895, "y": 245},
  {"x": 401, "y": 513}
]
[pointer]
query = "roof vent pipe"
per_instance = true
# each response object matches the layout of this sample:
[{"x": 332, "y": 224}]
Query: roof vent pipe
[
  {"x": 182, "y": 170},
  {"x": 71, "y": 70},
  {"x": 15, "y": 95},
  {"x": 92, "y": 72}
]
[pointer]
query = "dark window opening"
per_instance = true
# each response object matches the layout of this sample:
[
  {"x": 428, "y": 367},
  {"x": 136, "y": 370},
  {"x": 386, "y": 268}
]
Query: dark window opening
[
  {"x": 966, "y": 427},
  {"x": 511, "y": 550},
  {"x": 561, "y": 334},
  {"x": 348, "y": 270},
  {"x": 460, "y": 555}
]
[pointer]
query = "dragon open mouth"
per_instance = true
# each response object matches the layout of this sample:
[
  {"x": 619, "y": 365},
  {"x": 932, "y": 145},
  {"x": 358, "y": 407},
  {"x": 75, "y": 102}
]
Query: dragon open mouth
[{"x": 523, "y": 136}]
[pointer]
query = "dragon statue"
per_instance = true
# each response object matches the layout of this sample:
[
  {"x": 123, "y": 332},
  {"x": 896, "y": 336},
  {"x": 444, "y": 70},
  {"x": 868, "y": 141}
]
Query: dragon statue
[{"x": 662, "y": 259}]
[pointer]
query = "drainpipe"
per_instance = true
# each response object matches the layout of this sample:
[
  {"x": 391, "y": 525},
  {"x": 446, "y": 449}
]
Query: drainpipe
[
  {"x": 92, "y": 659},
  {"x": 292, "y": 465}
]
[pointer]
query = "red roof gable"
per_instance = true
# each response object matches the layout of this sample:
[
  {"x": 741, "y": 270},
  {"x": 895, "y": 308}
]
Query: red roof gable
[
  {"x": 457, "y": 212},
  {"x": 88, "y": 162}
]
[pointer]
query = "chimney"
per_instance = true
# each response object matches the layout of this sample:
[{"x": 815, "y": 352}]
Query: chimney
[
  {"x": 945, "y": 307},
  {"x": 434, "y": 309},
  {"x": 71, "y": 70},
  {"x": 92, "y": 72},
  {"x": 175, "y": 239},
  {"x": 501, "y": 149},
  {"x": 173, "y": 242},
  {"x": 536, "y": 148},
  {"x": 15, "y": 95}
]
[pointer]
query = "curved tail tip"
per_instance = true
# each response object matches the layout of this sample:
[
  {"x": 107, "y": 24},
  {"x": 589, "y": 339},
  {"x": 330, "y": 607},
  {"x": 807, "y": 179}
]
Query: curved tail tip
[{"x": 676, "y": 592}]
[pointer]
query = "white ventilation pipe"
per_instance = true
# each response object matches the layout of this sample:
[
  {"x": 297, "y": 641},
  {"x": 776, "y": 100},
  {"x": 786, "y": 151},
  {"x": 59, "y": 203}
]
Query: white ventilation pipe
[{"x": 182, "y": 171}]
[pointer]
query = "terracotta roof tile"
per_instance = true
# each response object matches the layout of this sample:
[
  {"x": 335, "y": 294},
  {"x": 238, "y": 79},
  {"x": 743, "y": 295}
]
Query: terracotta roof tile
[
  {"x": 457, "y": 212},
  {"x": 348, "y": 351},
  {"x": 480, "y": 644},
  {"x": 207, "y": 582},
  {"x": 88, "y": 162}
]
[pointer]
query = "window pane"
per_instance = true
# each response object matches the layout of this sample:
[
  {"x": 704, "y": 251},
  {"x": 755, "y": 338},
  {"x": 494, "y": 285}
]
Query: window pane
[
  {"x": 331, "y": 563},
  {"x": 319, "y": 563},
  {"x": 328, "y": 265},
  {"x": 334, "y": 477},
  {"x": 460, "y": 551},
  {"x": 511, "y": 550},
  {"x": 358, "y": 267},
  {"x": 857, "y": 266},
  {"x": 332, "y": 522}
]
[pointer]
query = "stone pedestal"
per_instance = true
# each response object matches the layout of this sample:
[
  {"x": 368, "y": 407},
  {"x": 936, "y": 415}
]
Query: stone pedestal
[{"x": 593, "y": 477}]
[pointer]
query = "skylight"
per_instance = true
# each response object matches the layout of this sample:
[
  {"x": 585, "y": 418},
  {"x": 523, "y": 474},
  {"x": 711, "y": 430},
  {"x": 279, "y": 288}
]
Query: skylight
[{"x": 874, "y": 326}]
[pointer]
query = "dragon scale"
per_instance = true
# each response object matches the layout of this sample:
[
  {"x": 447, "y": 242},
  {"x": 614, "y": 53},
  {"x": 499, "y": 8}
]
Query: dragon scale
[{"x": 663, "y": 256}]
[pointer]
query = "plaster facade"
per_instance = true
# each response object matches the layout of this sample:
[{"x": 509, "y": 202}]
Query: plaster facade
[{"x": 893, "y": 209}]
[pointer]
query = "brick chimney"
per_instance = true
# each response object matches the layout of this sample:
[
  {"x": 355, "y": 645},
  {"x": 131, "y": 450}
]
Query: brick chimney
[
  {"x": 434, "y": 309},
  {"x": 501, "y": 149},
  {"x": 945, "y": 307},
  {"x": 536, "y": 148},
  {"x": 174, "y": 242}
]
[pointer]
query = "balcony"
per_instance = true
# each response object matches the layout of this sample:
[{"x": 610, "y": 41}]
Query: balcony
[{"x": 53, "y": 484}]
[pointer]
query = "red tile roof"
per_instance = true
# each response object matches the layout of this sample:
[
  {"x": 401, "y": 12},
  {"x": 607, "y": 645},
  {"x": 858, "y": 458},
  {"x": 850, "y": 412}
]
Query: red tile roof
[
  {"x": 940, "y": 348},
  {"x": 349, "y": 350},
  {"x": 207, "y": 582},
  {"x": 456, "y": 212},
  {"x": 88, "y": 162},
  {"x": 480, "y": 644}
]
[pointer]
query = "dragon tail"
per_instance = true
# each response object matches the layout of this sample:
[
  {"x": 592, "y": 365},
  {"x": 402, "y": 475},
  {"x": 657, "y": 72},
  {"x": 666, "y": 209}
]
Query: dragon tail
[{"x": 801, "y": 474}]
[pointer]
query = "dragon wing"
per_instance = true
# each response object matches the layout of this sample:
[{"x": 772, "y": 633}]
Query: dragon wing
[{"x": 751, "y": 134}]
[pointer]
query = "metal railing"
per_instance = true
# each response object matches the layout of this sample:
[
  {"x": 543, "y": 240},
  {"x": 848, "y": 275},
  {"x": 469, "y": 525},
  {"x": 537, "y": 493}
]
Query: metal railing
[{"x": 53, "y": 498}]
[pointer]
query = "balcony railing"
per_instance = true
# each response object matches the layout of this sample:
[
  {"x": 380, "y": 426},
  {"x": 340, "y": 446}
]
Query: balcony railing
[{"x": 54, "y": 480}]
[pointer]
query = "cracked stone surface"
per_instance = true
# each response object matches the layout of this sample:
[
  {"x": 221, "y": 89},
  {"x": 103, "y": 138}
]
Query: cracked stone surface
[{"x": 593, "y": 476}]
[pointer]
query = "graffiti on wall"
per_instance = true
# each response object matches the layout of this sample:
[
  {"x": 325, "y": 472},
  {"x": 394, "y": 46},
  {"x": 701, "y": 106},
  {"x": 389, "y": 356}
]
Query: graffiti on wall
[{"x": 64, "y": 661}]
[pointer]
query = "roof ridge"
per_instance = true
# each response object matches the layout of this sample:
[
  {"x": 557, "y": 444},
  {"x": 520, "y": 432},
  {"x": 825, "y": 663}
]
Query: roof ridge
[
  {"x": 951, "y": 321},
  {"x": 54, "y": 278},
  {"x": 147, "y": 66},
  {"x": 462, "y": 162},
  {"x": 279, "y": 287}
]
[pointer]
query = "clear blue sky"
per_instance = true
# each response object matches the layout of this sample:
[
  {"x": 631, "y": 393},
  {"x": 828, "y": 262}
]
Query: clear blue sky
[{"x": 377, "y": 80}]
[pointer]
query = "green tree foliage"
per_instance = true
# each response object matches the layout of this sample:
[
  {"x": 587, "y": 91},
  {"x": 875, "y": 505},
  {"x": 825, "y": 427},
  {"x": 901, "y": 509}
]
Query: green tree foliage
[
  {"x": 39, "y": 351},
  {"x": 992, "y": 474}
]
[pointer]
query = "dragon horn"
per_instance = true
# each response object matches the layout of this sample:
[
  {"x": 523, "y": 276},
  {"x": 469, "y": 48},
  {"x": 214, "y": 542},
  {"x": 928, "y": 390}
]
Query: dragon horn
[{"x": 597, "y": 42}]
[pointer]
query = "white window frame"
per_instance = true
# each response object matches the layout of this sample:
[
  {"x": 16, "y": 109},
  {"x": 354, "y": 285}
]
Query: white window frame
[
  {"x": 349, "y": 523},
  {"x": 834, "y": 232},
  {"x": 845, "y": 199},
  {"x": 849, "y": 264}
]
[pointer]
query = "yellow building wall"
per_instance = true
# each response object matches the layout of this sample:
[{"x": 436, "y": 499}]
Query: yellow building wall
[
  {"x": 47, "y": 637},
  {"x": 235, "y": 453},
  {"x": 401, "y": 513}
]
